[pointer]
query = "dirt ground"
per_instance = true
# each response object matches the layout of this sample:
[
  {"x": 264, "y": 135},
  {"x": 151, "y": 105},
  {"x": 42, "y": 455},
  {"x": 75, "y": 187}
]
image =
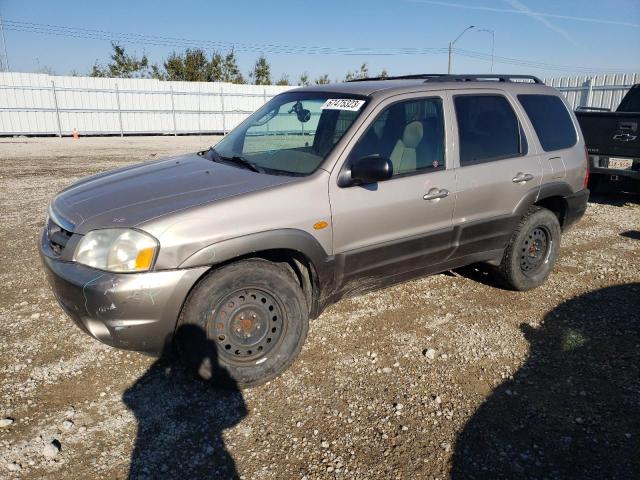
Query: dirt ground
[{"x": 443, "y": 377}]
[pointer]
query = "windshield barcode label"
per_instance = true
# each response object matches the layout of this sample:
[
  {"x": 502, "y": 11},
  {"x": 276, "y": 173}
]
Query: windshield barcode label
[{"x": 343, "y": 104}]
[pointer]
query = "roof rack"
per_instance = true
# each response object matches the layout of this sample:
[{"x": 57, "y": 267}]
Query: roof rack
[
  {"x": 443, "y": 77},
  {"x": 417, "y": 76}
]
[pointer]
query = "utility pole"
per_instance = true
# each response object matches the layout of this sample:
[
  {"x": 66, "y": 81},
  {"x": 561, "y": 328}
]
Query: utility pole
[
  {"x": 451, "y": 44},
  {"x": 5, "y": 64},
  {"x": 493, "y": 43}
]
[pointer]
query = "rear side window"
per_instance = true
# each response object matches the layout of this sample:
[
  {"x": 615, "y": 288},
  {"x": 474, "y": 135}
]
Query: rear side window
[
  {"x": 550, "y": 120},
  {"x": 488, "y": 129}
]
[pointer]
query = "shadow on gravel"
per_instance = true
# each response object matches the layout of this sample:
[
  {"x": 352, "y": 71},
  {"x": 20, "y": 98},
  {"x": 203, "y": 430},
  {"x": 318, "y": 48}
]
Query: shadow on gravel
[
  {"x": 632, "y": 234},
  {"x": 181, "y": 417},
  {"x": 481, "y": 273},
  {"x": 573, "y": 409},
  {"x": 615, "y": 198}
]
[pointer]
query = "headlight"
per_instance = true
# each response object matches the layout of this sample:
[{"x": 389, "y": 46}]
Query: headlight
[{"x": 117, "y": 250}]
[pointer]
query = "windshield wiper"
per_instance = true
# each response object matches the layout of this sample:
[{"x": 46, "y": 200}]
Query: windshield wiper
[{"x": 237, "y": 160}]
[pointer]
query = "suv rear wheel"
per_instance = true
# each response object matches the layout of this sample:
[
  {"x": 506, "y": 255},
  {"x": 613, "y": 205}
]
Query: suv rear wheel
[
  {"x": 532, "y": 250},
  {"x": 255, "y": 318}
]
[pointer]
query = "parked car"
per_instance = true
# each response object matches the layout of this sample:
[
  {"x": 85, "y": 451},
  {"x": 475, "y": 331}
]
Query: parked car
[
  {"x": 613, "y": 143},
  {"x": 325, "y": 191}
]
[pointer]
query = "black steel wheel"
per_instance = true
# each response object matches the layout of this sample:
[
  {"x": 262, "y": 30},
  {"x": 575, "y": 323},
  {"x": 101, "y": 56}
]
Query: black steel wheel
[
  {"x": 247, "y": 322},
  {"x": 534, "y": 250}
]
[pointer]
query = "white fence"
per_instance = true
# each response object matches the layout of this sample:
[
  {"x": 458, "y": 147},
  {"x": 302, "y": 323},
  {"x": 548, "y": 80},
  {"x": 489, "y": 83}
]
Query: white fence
[
  {"x": 40, "y": 104},
  {"x": 602, "y": 91}
]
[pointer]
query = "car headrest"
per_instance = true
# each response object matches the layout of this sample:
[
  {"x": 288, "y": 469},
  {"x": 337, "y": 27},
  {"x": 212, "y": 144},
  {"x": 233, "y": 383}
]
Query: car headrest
[{"x": 412, "y": 134}]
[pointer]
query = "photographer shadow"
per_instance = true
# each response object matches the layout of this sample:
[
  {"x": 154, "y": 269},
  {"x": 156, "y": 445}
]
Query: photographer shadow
[
  {"x": 181, "y": 417},
  {"x": 573, "y": 409}
]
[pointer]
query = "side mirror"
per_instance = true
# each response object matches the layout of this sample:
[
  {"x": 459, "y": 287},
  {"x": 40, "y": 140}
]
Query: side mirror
[{"x": 371, "y": 169}]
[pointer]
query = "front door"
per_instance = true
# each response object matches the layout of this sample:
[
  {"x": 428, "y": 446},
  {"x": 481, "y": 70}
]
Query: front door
[{"x": 404, "y": 224}]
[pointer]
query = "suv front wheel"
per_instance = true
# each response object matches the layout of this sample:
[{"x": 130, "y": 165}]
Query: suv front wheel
[
  {"x": 251, "y": 318},
  {"x": 532, "y": 250}
]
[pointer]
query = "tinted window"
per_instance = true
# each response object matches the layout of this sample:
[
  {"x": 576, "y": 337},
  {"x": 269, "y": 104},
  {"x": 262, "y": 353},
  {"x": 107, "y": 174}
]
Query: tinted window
[
  {"x": 550, "y": 120},
  {"x": 488, "y": 129},
  {"x": 410, "y": 134}
]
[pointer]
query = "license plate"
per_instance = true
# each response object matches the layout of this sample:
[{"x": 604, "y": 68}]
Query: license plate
[{"x": 620, "y": 163}]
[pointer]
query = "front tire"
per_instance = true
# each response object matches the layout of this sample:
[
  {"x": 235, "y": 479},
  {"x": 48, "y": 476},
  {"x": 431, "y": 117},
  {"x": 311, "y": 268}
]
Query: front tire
[
  {"x": 532, "y": 251},
  {"x": 254, "y": 317}
]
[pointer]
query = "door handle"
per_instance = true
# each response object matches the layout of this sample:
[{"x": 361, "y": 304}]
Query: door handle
[
  {"x": 435, "y": 194},
  {"x": 522, "y": 177}
]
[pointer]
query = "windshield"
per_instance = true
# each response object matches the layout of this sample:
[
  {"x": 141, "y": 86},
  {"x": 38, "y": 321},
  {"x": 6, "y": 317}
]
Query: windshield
[{"x": 292, "y": 133}]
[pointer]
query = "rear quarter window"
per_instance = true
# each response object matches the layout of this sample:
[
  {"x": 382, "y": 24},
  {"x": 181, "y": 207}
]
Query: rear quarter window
[{"x": 550, "y": 120}]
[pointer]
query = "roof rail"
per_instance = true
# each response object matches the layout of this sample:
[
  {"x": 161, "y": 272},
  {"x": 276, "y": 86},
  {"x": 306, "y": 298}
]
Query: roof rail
[
  {"x": 443, "y": 77},
  {"x": 416, "y": 76},
  {"x": 485, "y": 77}
]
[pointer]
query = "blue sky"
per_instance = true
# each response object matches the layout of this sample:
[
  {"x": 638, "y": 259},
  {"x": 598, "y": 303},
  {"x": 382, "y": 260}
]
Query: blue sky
[{"x": 584, "y": 33}]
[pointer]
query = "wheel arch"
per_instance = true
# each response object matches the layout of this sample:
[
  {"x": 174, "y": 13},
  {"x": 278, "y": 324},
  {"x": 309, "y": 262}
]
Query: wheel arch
[
  {"x": 551, "y": 196},
  {"x": 300, "y": 251}
]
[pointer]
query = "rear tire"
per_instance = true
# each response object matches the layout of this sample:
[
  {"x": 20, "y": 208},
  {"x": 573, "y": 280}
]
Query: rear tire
[
  {"x": 532, "y": 250},
  {"x": 244, "y": 324}
]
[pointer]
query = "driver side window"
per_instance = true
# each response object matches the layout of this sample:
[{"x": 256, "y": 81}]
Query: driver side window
[{"x": 410, "y": 134}]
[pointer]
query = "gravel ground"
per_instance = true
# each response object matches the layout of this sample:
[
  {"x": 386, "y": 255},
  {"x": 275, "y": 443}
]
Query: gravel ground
[{"x": 446, "y": 376}]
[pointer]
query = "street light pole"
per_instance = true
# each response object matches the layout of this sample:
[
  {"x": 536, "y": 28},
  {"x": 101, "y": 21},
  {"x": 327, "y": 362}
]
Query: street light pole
[
  {"x": 493, "y": 43},
  {"x": 5, "y": 64},
  {"x": 451, "y": 44}
]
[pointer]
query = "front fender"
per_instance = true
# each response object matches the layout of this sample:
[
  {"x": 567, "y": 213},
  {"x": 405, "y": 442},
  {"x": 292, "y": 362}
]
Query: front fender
[{"x": 286, "y": 238}]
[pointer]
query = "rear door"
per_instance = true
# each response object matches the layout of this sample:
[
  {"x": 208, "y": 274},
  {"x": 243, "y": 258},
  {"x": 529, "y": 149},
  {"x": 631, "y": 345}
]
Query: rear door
[{"x": 496, "y": 169}]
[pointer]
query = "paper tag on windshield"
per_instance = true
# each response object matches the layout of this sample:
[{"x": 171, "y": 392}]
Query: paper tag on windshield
[{"x": 343, "y": 104}]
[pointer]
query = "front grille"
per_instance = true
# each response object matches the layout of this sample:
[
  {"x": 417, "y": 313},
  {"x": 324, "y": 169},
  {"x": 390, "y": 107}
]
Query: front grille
[{"x": 58, "y": 237}]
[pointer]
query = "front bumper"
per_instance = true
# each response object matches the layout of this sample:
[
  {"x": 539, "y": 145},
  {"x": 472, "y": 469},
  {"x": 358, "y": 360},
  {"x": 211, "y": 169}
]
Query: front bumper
[
  {"x": 134, "y": 311},
  {"x": 576, "y": 206}
]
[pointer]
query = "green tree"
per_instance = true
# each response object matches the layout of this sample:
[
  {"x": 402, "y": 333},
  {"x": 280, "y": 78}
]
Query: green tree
[
  {"x": 230, "y": 71},
  {"x": 323, "y": 79},
  {"x": 303, "y": 81},
  {"x": 261, "y": 73},
  {"x": 284, "y": 80},
  {"x": 191, "y": 66},
  {"x": 97, "y": 70},
  {"x": 122, "y": 65},
  {"x": 214, "y": 70},
  {"x": 358, "y": 74},
  {"x": 383, "y": 73},
  {"x": 158, "y": 73}
]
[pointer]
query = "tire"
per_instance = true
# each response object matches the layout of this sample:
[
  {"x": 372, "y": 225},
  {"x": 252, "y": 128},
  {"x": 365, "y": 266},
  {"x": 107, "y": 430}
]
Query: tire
[
  {"x": 532, "y": 250},
  {"x": 244, "y": 324}
]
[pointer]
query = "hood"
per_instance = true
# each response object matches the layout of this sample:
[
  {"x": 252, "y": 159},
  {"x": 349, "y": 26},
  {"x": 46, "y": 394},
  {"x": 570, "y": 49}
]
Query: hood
[{"x": 130, "y": 196}]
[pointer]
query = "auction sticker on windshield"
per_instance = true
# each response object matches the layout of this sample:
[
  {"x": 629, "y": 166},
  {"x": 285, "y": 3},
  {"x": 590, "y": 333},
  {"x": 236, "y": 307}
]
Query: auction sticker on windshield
[{"x": 343, "y": 104}]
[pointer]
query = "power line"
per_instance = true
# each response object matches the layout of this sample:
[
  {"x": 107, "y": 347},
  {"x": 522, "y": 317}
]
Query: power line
[
  {"x": 74, "y": 32},
  {"x": 533, "y": 64},
  {"x": 158, "y": 40}
]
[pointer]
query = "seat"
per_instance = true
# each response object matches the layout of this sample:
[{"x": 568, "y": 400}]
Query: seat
[{"x": 403, "y": 156}]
